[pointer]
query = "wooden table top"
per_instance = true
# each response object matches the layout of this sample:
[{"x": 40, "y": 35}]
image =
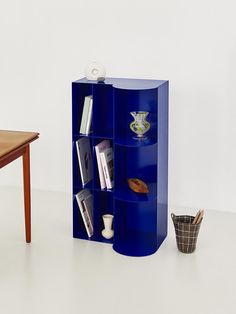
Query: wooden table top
[{"x": 12, "y": 140}]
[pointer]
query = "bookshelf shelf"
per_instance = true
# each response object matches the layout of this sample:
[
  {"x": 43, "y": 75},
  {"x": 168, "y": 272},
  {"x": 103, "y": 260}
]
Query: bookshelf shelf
[
  {"x": 140, "y": 220},
  {"x": 90, "y": 186},
  {"x": 130, "y": 142},
  {"x": 124, "y": 193},
  {"x": 76, "y": 136}
]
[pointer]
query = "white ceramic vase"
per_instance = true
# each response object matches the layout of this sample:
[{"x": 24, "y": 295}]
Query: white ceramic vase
[
  {"x": 95, "y": 70},
  {"x": 107, "y": 232}
]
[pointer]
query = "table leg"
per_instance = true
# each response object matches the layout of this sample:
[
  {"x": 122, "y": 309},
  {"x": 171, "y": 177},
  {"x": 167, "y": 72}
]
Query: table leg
[{"x": 27, "y": 198}]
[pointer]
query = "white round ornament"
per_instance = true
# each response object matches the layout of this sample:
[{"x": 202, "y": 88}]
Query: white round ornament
[{"x": 94, "y": 70}]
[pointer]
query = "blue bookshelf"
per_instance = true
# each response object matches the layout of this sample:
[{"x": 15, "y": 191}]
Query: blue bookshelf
[{"x": 140, "y": 220}]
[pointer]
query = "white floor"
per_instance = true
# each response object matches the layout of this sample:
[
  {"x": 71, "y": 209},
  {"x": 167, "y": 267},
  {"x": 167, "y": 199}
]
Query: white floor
[{"x": 59, "y": 274}]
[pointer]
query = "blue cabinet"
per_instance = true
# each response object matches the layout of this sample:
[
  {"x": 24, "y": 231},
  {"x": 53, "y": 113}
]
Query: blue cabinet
[{"x": 140, "y": 220}]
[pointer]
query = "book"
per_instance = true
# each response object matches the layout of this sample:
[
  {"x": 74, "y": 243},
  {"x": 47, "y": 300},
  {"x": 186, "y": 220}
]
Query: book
[
  {"x": 89, "y": 118},
  {"x": 85, "y": 202},
  {"x": 107, "y": 166},
  {"x": 85, "y": 159},
  {"x": 98, "y": 149},
  {"x": 86, "y": 119}
]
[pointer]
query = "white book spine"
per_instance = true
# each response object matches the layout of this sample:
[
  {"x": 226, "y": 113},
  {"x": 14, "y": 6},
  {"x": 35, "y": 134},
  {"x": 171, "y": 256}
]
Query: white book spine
[
  {"x": 105, "y": 170},
  {"x": 100, "y": 170},
  {"x": 80, "y": 163},
  {"x": 85, "y": 217},
  {"x": 89, "y": 118},
  {"x": 85, "y": 114}
]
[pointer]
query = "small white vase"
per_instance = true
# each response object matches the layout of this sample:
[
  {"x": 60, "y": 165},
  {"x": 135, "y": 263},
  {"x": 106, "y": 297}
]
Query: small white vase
[{"x": 107, "y": 233}]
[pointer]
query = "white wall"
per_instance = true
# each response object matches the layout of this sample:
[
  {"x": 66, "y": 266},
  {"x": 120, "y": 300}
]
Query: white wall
[{"x": 46, "y": 44}]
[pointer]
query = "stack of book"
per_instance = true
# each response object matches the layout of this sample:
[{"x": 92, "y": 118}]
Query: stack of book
[
  {"x": 85, "y": 125},
  {"x": 104, "y": 154},
  {"x": 85, "y": 202}
]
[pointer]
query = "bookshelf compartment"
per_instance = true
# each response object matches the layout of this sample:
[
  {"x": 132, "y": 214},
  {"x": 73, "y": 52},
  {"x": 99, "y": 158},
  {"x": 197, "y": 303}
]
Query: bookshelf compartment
[
  {"x": 79, "y": 230},
  {"x": 97, "y": 184},
  {"x": 135, "y": 162},
  {"x": 79, "y": 91},
  {"x": 77, "y": 181},
  {"x": 126, "y": 101},
  {"x": 103, "y": 204},
  {"x": 103, "y": 110}
]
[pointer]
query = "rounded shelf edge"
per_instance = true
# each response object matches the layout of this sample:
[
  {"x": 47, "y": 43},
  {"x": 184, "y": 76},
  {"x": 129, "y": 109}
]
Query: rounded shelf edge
[
  {"x": 133, "y": 253},
  {"x": 127, "y": 195},
  {"x": 132, "y": 200},
  {"x": 135, "y": 142},
  {"x": 136, "y": 243},
  {"x": 137, "y": 84}
]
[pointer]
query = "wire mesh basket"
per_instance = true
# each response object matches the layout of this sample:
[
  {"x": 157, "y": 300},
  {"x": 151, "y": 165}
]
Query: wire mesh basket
[{"x": 186, "y": 232}]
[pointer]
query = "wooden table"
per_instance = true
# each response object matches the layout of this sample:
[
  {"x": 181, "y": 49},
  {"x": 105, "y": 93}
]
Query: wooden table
[{"x": 12, "y": 146}]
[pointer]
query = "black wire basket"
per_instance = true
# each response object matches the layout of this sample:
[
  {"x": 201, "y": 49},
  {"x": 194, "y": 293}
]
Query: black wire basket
[{"x": 186, "y": 232}]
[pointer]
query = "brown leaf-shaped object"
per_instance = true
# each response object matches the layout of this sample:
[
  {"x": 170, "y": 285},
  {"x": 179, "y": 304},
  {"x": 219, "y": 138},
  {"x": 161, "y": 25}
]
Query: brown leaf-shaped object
[{"x": 137, "y": 185}]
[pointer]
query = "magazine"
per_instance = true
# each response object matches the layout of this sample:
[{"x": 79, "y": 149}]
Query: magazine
[
  {"x": 107, "y": 165},
  {"x": 85, "y": 202},
  {"x": 98, "y": 149},
  {"x": 85, "y": 159}
]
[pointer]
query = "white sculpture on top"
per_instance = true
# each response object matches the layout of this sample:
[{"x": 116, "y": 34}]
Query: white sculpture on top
[{"x": 95, "y": 71}]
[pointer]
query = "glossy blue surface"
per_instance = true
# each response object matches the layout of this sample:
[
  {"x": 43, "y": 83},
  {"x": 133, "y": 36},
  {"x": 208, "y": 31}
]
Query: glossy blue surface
[
  {"x": 135, "y": 228},
  {"x": 126, "y": 83},
  {"x": 140, "y": 223}
]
